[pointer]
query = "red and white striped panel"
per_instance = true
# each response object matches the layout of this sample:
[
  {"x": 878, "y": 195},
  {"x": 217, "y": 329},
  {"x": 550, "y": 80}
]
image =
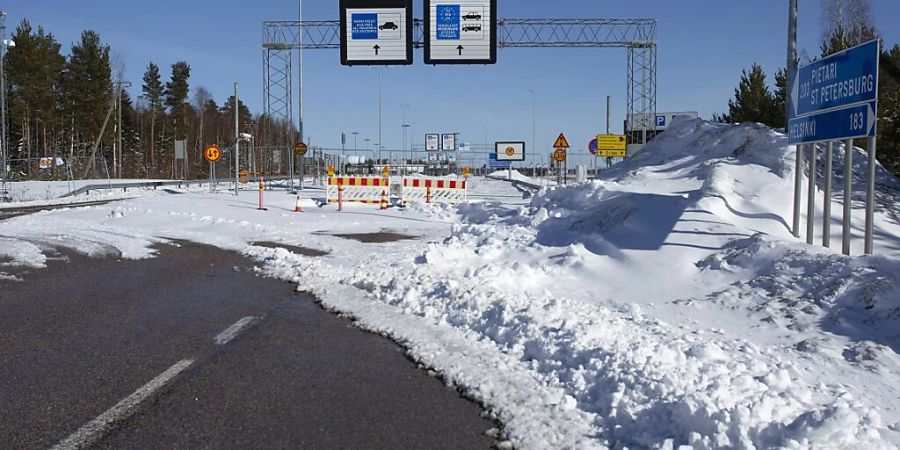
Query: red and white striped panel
[
  {"x": 415, "y": 190},
  {"x": 365, "y": 190}
]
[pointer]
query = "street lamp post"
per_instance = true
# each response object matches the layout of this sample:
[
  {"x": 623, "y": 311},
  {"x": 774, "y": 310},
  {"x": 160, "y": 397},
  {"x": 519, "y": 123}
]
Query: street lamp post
[
  {"x": 380, "y": 114},
  {"x": 4, "y": 148},
  {"x": 533, "y": 120},
  {"x": 405, "y": 127}
]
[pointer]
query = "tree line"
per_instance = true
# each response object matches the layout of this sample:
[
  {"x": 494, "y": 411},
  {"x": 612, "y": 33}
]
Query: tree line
[
  {"x": 68, "y": 106},
  {"x": 845, "y": 24}
]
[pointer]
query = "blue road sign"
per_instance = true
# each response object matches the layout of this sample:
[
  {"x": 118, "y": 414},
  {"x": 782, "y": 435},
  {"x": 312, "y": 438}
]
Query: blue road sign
[
  {"x": 447, "y": 22},
  {"x": 848, "y": 123},
  {"x": 494, "y": 164},
  {"x": 364, "y": 26},
  {"x": 660, "y": 121},
  {"x": 843, "y": 79},
  {"x": 592, "y": 147}
]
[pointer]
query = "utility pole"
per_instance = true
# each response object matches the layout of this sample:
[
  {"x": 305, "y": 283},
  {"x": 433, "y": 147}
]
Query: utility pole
[
  {"x": 237, "y": 141},
  {"x": 533, "y": 120},
  {"x": 608, "y": 110},
  {"x": 791, "y": 70},
  {"x": 119, "y": 160},
  {"x": 4, "y": 149},
  {"x": 380, "y": 114},
  {"x": 299, "y": 93}
]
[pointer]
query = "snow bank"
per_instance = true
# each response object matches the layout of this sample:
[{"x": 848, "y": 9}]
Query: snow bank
[{"x": 666, "y": 304}]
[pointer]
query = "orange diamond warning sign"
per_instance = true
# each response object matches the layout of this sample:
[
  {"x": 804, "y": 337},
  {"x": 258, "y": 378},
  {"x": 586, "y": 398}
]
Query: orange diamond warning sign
[{"x": 561, "y": 142}]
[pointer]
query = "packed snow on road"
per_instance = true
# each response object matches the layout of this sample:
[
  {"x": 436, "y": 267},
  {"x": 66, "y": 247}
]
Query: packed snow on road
[{"x": 664, "y": 304}]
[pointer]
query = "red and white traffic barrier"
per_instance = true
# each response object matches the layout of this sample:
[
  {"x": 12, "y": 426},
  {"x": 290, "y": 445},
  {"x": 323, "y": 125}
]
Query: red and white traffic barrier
[
  {"x": 356, "y": 189},
  {"x": 434, "y": 190}
]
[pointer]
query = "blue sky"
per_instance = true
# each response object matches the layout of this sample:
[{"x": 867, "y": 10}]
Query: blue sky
[{"x": 703, "y": 46}]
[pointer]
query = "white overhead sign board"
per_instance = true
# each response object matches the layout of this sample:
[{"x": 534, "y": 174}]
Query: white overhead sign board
[
  {"x": 432, "y": 142},
  {"x": 376, "y": 32},
  {"x": 448, "y": 142},
  {"x": 460, "y": 31},
  {"x": 510, "y": 151}
]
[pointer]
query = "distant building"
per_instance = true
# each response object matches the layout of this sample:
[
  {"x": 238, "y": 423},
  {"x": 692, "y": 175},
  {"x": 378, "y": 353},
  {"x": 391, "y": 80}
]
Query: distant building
[{"x": 637, "y": 124}]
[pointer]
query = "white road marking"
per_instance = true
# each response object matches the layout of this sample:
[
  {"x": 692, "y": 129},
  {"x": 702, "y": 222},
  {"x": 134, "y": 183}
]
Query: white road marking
[
  {"x": 232, "y": 331},
  {"x": 93, "y": 430}
]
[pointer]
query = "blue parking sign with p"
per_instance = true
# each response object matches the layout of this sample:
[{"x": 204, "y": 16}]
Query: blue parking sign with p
[{"x": 660, "y": 121}]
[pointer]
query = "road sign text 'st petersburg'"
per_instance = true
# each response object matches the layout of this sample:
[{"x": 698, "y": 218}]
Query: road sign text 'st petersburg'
[{"x": 843, "y": 79}]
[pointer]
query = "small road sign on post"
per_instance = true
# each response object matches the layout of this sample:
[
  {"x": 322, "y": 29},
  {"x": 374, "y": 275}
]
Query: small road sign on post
[
  {"x": 300, "y": 149},
  {"x": 612, "y": 145},
  {"x": 212, "y": 153},
  {"x": 561, "y": 141},
  {"x": 559, "y": 155},
  {"x": 510, "y": 151}
]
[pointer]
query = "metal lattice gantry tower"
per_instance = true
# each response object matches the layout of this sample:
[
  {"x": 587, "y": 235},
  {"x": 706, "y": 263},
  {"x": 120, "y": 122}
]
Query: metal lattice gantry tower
[{"x": 638, "y": 36}]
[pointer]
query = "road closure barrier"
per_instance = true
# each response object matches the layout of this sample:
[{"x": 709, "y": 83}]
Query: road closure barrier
[
  {"x": 430, "y": 190},
  {"x": 356, "y": 189}
]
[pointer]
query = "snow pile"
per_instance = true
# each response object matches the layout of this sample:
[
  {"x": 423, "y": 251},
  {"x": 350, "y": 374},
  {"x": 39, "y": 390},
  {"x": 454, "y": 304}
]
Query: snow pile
[
  {"x": 520, "y": 280},
  {"x": 666, "y": 304}
]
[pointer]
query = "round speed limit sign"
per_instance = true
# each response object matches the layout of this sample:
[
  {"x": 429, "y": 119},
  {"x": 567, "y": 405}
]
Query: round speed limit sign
[{"x": 559, "y": 155}]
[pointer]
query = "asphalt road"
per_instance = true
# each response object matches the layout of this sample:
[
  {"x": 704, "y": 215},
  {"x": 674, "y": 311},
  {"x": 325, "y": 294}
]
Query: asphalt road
[
  {"x": 193, "y": 350},
  {"x": 9, "y": 213}
]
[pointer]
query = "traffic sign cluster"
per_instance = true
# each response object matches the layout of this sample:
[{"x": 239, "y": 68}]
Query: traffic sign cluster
[{"x": 380, "y": 32}]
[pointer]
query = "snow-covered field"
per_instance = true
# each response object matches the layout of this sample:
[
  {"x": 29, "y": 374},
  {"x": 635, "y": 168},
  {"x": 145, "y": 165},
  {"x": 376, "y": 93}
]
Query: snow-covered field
[{"x": 664, "y": 305}]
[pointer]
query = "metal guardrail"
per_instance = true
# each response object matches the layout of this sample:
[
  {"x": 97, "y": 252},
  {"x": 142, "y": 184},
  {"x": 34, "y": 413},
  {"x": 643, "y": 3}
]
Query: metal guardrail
[{"x": 159, "y": 184}]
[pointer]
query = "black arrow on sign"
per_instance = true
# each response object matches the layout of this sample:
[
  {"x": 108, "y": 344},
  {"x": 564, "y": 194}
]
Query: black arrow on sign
[
  {"x": 460, "y": 48},
  {"x": 376, "y": 47}
]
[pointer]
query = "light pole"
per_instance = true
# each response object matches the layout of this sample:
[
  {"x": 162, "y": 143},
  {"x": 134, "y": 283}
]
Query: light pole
[
  {"x": 380, "y": 114},
  {"x": 4, "y": 188},
  {"x": 355, "y": 147},
  {"x": 533, "y": 120},
  {"x": 237, "y": 141},
  {"x": 404, "y": 126}
]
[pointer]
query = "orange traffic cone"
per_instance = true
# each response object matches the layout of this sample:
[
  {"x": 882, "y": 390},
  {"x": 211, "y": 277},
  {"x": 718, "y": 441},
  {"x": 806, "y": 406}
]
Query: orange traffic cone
[
  {"x": 297, "y": 207},
  {"x": 384, "y": 201}
]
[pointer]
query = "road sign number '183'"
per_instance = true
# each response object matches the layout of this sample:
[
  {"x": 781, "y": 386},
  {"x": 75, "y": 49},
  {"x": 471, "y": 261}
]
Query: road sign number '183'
[{"x": 848, "y": 123}]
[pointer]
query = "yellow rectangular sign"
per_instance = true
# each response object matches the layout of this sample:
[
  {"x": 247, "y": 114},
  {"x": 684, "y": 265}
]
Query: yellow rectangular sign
[
  {"x": 611, "y": 142},
  {"x": 611, "y": 153}
]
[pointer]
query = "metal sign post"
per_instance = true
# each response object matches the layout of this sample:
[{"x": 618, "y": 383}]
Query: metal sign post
[
  {"x": 831, "y": 99},
  {"x": 212, "y": 154}
]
